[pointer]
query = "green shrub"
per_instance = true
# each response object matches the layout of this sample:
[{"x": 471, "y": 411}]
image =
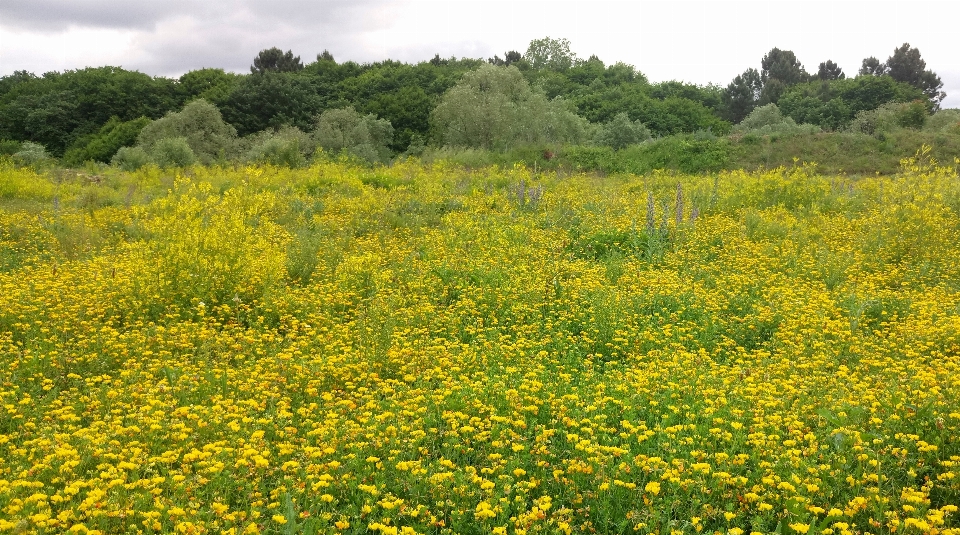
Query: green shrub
[
  {"x": 621, "y": 131},
  {"x": 130, "y": 158},
  {"x": 288, "y": 147},
  {"x": 31, "y": 155},
  {"x": 173, "y": 152},
  {"x": 944, "y": 121},
  {"x": 362, "y": 136},
  {"x": 9, "y": 147},
  {"x": 890, "y": 117},
  {"x": 769, "y": 121},
  {"x": 202, "y": 127}
]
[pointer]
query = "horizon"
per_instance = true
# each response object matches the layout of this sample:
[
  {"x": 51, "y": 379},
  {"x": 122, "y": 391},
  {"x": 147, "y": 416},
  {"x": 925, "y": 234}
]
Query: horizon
[{"x": 700, "y": 42}]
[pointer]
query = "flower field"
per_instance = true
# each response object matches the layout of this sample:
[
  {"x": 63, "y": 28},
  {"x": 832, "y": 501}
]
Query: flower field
[{"x": 428, "y": 349}]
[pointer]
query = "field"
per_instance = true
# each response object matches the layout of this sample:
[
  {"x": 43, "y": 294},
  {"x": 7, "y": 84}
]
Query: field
[{"x": 432, "y": 349}]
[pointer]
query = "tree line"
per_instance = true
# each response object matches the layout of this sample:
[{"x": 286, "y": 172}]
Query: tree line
[{"x": 382, "y": 109}]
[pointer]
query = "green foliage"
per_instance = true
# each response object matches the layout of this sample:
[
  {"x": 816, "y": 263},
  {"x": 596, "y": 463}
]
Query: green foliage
[
  {"x": 495, "y": 108},
  {"x": 768, "y": 119},
  {"x": 684, "y": 153},
  {"x": 906, "y": 65},
  {"x": 130, "y": 158},
  {"x": 57, "y": 108},
  {"x": 363, "y": 136},
  {"x": 9, "y": 147},
  {"x": 553, "y": 54},
  {"x": 200, "y": 124},
  {"x": 101, "y": 147},
  {"x": 287, "y": 147},
  {"x": 172, "y": 152},
  {"x": 674, "y": 114},
  {"x": 889, "y": 117},
  {"x": 872, "y": 67},
  {"x": 944, "y": 121},
  {"x": 833, "y": 104},
  {"x": 828, "y": 70},
  {"x": 31, "y": 154},
  {"x": 48, "y": 118},
  {"x": 271, "y": 100},
  {"x": 213, "y": 85},
  {"x": 842, "y": 152},
  {"x": 621, "y": 131},
  {"x": 742, "y": 94},
  {"x": 782, "y": 65},
  {"x": 779, "y": 70},
  {"x": 275, "y": 60}
]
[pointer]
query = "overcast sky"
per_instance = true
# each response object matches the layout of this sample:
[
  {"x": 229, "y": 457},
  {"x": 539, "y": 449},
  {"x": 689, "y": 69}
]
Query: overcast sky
[{"x": 695, "y": 41}]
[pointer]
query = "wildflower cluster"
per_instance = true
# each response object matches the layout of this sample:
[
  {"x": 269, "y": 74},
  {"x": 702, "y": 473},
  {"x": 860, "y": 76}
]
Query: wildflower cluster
[{"x": 410, "y": 350}]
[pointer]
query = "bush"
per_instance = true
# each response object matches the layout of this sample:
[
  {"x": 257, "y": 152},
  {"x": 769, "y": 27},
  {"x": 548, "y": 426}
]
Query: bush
[
  {"x": 889, "y": 117},
  {"x": 9, "y": 147},
  {"x": 621, "y": 131},
  {"x": 31, "y": 155},
  {"x": 944, "y": 121},
  {"x": 199, "y": 123},
  {"x": 362, "y": 136},
  {"x": 288, "y": 147},
  {"x": 130, "y": 158},
  {"x": 173, "y": 152},
  {"x": 768, "y": 120}
]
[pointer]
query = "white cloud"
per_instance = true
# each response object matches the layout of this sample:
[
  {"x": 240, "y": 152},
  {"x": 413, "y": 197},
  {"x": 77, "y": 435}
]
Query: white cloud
[{"x": 699, "y": 41}]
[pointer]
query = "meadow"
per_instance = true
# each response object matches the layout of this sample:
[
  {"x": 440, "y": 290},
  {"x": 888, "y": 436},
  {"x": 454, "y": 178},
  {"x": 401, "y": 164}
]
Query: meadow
[{"x": 426, "y": 348}]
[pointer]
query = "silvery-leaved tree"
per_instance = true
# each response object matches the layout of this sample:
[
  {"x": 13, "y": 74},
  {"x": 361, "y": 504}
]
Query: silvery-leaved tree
[
  {"x": 363, "y": 136},
  {"x": 200, "y": 125},
  {"x": 495, "y": 108}
]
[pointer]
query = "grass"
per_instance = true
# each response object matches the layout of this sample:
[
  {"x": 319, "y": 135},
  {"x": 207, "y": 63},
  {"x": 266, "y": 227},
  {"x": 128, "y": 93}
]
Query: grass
[{"x": 425, "y": 348}]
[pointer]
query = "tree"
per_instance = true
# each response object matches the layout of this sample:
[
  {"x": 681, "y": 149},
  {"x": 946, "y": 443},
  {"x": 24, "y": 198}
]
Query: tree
[
  {"x": 509, "y": 58},
  {"x": 102, "y": 146},
  {"x": 872, "y": 67},
  {"x": 275, "y": 60},
  {"x": 213, "y": 85},
  {"x": 551, "y": 54},
  {"x": 58, "y": 108},
  {"x": 49, "y": 119},
  {"x": 742, "y": 94},
  {"x": 906, "y": 65},
  {"x": 833, "y": 104},
  {"x": 363, "y": 136},
  {"x": 325, "y": 56},
  {"x": 621, "y": 132},
  {"x": 495, "y": 108},
  {"x": 272, "y": 100},
  {"x": 10, "y": 81},
  {"x": 782, "y": 65},
  {"x": 201, "y": 127},
  {"x": 829, "y": 70}
]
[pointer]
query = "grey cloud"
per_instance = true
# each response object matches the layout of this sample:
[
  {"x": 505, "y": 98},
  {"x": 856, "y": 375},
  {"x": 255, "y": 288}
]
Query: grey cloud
[{"x": 56, "y": 15}]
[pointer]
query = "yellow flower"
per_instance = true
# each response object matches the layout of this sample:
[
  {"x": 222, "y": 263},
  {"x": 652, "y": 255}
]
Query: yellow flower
[{"x": 652, "y": 487}]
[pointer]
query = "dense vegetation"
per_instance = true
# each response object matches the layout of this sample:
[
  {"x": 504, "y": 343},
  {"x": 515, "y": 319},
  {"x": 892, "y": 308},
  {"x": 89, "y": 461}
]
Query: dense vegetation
[
  {"x": 515, "y": 296},
  {"x": 544, "y": 101},
  {"x": 430, "y": 349}
]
